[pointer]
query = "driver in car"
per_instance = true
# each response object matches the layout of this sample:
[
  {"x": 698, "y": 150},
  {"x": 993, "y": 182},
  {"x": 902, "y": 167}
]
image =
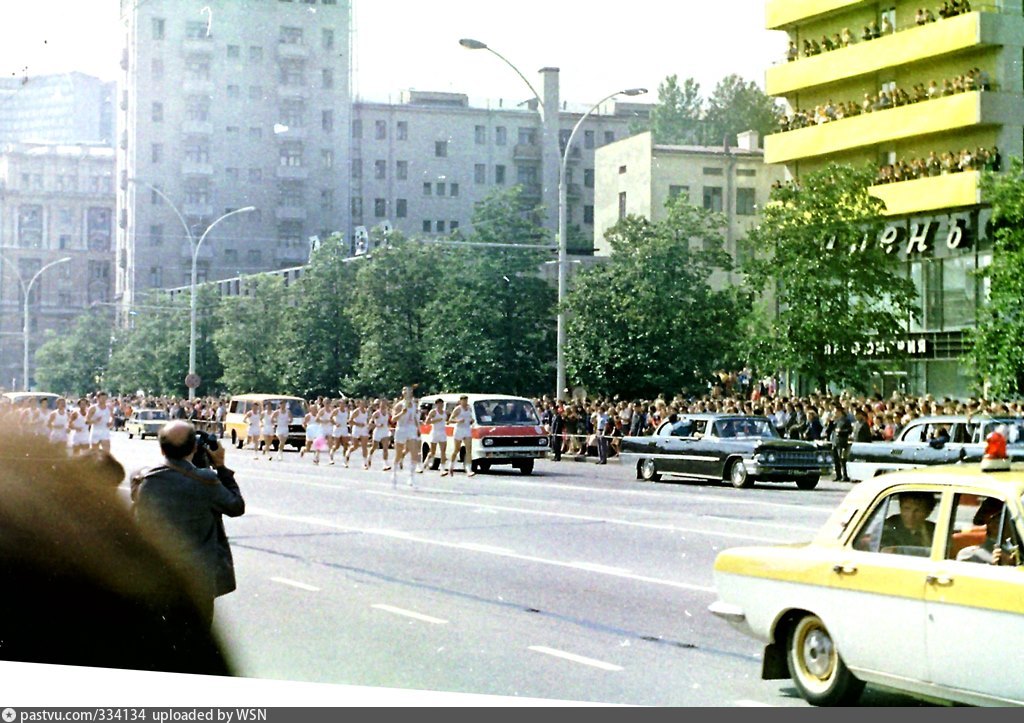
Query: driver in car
[{"x": 911, "y": 527}]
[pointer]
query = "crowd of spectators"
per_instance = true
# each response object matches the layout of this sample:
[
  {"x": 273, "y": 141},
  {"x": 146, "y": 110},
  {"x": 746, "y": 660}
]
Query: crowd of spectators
[
  {"x": 980, "y": 159},
  {"x": 871, "y": 31},
  {"x": 973, "y": 79}
]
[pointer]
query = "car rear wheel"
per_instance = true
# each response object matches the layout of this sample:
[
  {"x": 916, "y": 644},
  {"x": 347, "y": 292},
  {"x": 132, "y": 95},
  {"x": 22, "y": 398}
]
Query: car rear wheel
[
  {"x": 738, "y": 475},
  {"x": 816, "y": 667},
  {"x": 807, "y": 483},
  {"x": 524, "y": 467},
  {"x": 130, "y": 435},
  {"x": 649, "y": 471}
]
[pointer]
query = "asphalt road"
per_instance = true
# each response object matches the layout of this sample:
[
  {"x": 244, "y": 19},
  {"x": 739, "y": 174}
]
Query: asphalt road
[{"x": 576, "y": 583}]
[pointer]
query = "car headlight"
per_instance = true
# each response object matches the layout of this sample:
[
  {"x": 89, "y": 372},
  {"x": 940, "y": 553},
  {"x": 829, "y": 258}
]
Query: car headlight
[
  {"x": 488, "y": 442},
  {"x": 821, "y": 459},
  {"x": 543, "y": 441}
]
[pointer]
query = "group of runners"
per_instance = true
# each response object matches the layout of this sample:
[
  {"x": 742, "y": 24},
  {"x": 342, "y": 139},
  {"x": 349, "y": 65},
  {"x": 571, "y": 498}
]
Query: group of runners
[
  {"x": 85, "y": 425},
  {"x": 341, "y": 427}
]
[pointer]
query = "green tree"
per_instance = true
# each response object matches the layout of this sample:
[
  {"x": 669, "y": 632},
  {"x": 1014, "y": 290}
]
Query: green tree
[
  {"x": 997, "y": 351},
  {"x": 252, "y": 338},
  {"x": 323, "y": 341},
  {"x": 738, "y": 105},
  {"x": 677, "y": 119},
  {"x": 76, "y": 362},
  {"x": 151, "y": 353},
  {"x": 388, "y": 310},
  {"x": 648, "y": 321},
  {"x": 831, "y": 300},
  {"x": 491, "y": 325}
]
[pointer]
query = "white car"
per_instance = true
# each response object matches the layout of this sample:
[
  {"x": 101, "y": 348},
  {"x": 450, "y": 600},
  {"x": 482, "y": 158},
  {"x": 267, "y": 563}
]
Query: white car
[{"x": 145, "y": 423}]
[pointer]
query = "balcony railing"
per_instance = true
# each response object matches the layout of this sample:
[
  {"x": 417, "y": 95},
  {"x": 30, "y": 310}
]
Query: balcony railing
[
  {"x": 954, "y": 112},
  {"x": 780, "y": 14},
  {"x": 525, "y": 152},
  {"x": 916, "y": 44},
  {"x": 953, "y": 190}
]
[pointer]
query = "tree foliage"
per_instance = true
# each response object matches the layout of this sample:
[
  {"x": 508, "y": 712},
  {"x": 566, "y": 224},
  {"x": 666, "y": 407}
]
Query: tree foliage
[
  {"x": 252, "y": 340},
  {"x": 677, "y": 117},
  {"x": 997, "y": 351},
  {"x": 151, "y": 353},
  {"x": 76, "y": 362},
  {"x": 831, "y": 300},
  {"x": 649, "y": 321}
]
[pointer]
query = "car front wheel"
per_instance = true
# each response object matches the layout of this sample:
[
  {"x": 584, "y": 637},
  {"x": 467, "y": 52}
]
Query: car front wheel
[
  {"x": 816, "y": 667},
  {"x": 739, "y": 476},
  {"x": 649, "y": 471},
  {"x": 807, "y": 483}
]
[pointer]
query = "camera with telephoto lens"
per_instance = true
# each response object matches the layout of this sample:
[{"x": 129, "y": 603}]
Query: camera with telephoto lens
[{"x": 205, "y": 443}]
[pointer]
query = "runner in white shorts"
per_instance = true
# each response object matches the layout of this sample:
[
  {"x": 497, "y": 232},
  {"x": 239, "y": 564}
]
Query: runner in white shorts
[
  {"x": 339, "y": 433},
  {"x": 58, "y": 423},
  {"x": 437, "y": 437},
  {"x": 406, "y": 418},
  {"x": 461, "y": 420},
  {"x": 267, "y": 428},
  {"x": 252, "y": 421},
  {"x": 358, "y": 421},
  {"x": 381, "y": 433},
  {"x": 99, "y": 419},
  {"x": 281, "y": 420},
  {"x": 78, "y": 428}
]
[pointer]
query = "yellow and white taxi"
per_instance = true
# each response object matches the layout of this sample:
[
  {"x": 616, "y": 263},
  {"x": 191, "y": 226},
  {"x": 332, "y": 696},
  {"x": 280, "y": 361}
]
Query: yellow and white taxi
[{"x": 913, "y": 584}]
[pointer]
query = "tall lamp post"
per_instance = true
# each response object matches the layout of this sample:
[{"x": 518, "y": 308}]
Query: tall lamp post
[
  {"x": 563, "y": 205},
  {"x": 196, "y": 245},
  {"x": 26, "y": 290}
]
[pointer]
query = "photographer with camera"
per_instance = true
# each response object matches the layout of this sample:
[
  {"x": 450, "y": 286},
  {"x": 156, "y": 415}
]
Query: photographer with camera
[{"x": 183, "y": 500}]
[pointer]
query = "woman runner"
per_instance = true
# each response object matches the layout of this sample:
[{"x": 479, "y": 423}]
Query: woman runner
[
  {"x": 252, "y": 423},
  {"x": 281, "y": 420},
  {"x": 405, "y": 415},
  {"x": 339, "y": 435}
]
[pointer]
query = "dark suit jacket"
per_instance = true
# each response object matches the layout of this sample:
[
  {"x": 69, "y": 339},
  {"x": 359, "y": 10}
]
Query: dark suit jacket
[{"x": 184, "y": 505}]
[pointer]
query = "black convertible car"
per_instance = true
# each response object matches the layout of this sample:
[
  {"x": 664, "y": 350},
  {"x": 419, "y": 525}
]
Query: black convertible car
[{"x": 739, "y": 449}]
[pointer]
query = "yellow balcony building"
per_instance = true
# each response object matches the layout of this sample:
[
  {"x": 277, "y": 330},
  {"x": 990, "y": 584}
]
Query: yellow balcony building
[{"x": 945, "y": 193}]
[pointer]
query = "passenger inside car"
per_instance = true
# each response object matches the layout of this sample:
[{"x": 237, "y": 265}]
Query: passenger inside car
[
  {"x": 1000, "y": 545},
  {"x": 910, "y": 531}
]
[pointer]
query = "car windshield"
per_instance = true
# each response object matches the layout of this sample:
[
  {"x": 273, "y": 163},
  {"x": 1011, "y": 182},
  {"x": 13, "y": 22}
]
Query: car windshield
[
  {"x": 745, "y": 428},
  {"x": 515, "y": 412},
  {"x": 153, "y": 414},
  {"x": 1014, "y": 430},
  {"x": 296, "y": 407}
]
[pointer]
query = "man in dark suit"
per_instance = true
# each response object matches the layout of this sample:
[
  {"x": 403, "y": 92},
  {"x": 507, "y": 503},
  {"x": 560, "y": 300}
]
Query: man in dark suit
[
  {"x": 557, "y": 428},
  {"x": 184, "y": 505}
]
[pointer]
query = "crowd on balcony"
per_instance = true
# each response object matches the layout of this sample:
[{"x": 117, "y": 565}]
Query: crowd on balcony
[
  {"x": 974, "y": 79},
  {"x": 872, "y": 31},
  {"x": 981, "y": 159}
]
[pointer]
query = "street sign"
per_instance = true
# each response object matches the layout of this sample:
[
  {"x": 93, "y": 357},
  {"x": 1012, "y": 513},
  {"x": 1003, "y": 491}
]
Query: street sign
[{"x": 192, "y": 381}]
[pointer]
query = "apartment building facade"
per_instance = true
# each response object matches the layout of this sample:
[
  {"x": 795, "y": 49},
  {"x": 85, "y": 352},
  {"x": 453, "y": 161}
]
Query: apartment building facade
[
  {"x": 224, "y": 105},
  {"x": 938, "y": 221},
  {"x": 61, "y": 108},
  {"x": 57, "y": 202},
  {"x": 637, "y": 176}
]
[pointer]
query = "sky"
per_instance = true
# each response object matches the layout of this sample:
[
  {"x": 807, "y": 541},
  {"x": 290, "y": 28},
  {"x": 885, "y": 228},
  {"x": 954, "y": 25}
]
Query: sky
[{"x": 410, "y": 44}]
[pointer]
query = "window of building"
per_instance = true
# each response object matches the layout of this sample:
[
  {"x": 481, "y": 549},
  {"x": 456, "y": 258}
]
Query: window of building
[
  {"x": 234, "y": 91},
  {"x": 326, "y": 78},
  {"x": 255, "y": 92},
  {"x": 291, "y": 193},
  {"x": 159, "y": 28},
  {"x": 622, "y": 205},
  {"x": 588, "y": 139},
  {"x": 156, "y": 235},
  {"x": 380, "y": 130},
  {"x": 380, "y": 169},
  {"x": 439, "y": 225},
  {"x": 401, "y": 208},
  {"x": 453, "y": 226},
  {"x": 196, "y": 30},
  {"x": 453, "y": 190},
  {"x": 527, "y": 136},
  {"x": 357, "y": 128},
  {"x": 357, "y": 208},
  {"x": 440, "y": 189},
  {"x": 327, "y": 158},
  {"x": 156, "y": 152},
  {"x": 197, "y": 192},
  {"x": 588, "y": 215},
  {"x": 234, "y": 51},
  {"x": 713, "y": 198},
  {"x": 609, "y": 137},
  {"x": 480, "y": 173},
  {"x": 480, "y": 135},
  {"x": 713, "y": 171},
  {"x": 622, "y": 170},
  {"x": 255, "y": 175},
  {"x": 290, "y": 154},
  {"x": 426, "y": 227},
  {"x": 198, "y": 108},
  {"x": 402, "y": 170},
  {"x": 289, "y": 36},
  {"x": 157, "y": 69},
  {"x": 197, "y": 152},
  {"x": 402, "y": 130},
  {"x": 327, "y": 36},
  {"x": 501, "y": 136},
  {"x": 441, "y": 149},
  {"x": 327, "y": 121},
  {"x": 154, "y": 198},
  {"x": 231, "y": 256},
  {"x": 675, "y": 192},
  {"x": 255, "y": 257},
  {"x": 197, "y": 67},
  {"x": 255, "y": 54},
  {"x": 526, "y": 175},
  {"x": 156, "y": 276},
  {"x": 428, "y": 189},
  {"x": 746, "y": 172},
  {"x": 588, "y": 177},
  {"x": 255, "y": 133},
  {"x": 291, "y": 72},
  {"x": 380, "y": 208},
  {"x": 327, "y": 199},
  {"x": 499, "y": 175},
  {"x": 745, "y": 202},
  {"x": 158, "y": 112},
  {"x": 357, "y": 168},
  {"x": 232, "y": 174}
]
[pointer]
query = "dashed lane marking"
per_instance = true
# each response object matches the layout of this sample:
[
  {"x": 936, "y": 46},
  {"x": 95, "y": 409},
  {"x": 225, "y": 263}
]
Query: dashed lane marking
[
  {"x": 575, "y": 658},
  {"x": 295, "y": 583},
  {"x": 410, "y": 614}
]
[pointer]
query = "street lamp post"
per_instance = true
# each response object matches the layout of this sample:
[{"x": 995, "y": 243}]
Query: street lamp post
[
  {"x": 563, "y": 206},
  {"x": 26, "y": 290},
  {"x": 195, "y": 245}
]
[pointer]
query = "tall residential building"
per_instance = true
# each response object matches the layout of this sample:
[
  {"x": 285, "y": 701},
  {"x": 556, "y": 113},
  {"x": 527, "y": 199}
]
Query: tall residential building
[
  {"x": 223, "y": 105},
  {"x": 63, "y": 108},
  {"x": 422, "y": 164},
  {"x": 636, "y": 176},
  {"x": 910, "y": 86},
  {"x": 57, "y": 202}
]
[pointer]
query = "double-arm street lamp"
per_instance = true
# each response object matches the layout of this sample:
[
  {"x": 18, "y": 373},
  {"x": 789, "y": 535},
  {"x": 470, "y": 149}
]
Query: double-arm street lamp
[
  {"x": 563, "y": 204},
  {"x": 26, "y": 291},
  {"x": 196, "y": 245}
]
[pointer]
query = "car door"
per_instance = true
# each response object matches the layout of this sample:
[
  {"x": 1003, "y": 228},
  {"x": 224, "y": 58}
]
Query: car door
[
  {"x": 878, "y": 620},
  {"x": 673, "y": 445},
  {"x": 976, "y": 610}
]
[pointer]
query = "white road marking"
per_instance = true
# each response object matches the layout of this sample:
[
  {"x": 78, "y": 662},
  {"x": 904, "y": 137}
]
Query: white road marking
[
  {"x": 575, "y": 658},
  {"x": 401, "y": 535},
  {"x": 752, "y": 704},
  {"x": 594, "y": 567},
  {"x": 293, "y": 583},
  {"x": 486, "y": 548},
  {"x": 410, "y": 614}
]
